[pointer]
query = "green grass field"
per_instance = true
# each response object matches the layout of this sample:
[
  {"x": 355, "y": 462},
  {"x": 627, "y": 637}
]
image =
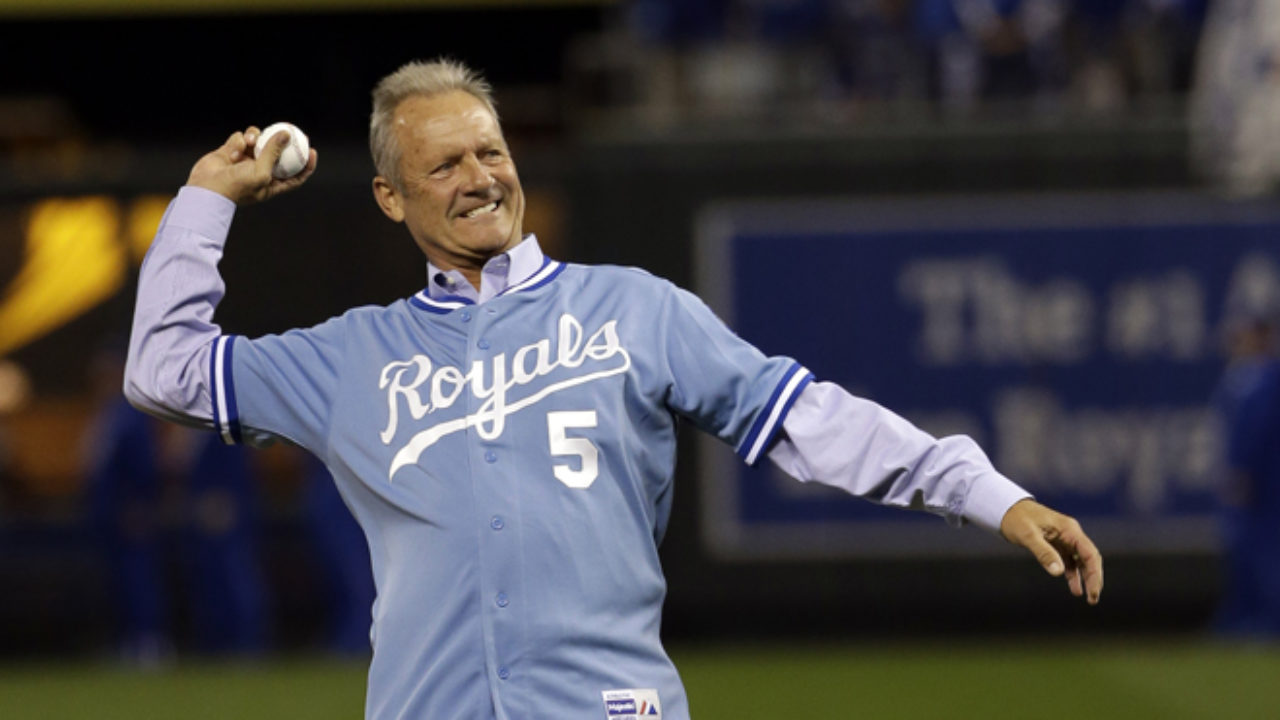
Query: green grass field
[{"x": 1028, "y": 679}]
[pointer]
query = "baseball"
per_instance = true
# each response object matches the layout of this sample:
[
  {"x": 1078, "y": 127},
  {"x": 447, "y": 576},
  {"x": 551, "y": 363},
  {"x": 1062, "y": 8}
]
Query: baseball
[{"x": 294, "y": 157}]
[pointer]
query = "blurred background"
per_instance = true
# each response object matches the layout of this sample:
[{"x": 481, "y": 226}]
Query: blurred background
[{"x": 1049, "y": 224}]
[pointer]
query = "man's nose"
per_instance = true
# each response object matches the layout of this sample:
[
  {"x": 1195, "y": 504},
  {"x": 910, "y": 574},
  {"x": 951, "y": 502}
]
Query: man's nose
[{"x": 476, "y": 177}]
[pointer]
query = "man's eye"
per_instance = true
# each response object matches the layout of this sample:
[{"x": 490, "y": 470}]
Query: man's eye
[{"x": 442, "y": 167}]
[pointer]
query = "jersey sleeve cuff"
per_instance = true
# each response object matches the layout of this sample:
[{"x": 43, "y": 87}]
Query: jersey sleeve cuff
[
  {"x": 989, "y": 498},
  {"x": 769, "y": 419},
  {"x": 226, "y": 418}
]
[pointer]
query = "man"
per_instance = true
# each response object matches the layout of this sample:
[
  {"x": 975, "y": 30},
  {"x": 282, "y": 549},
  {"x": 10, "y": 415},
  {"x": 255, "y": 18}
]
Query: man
[
  {"x": 1235, "y": 98},
  {"x": 506, "y": 436},
  {"x": 1248, "y": 400},
  {"x": 125, "y": 494}
]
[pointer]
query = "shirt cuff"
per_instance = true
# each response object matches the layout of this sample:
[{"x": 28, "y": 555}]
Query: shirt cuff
[
  {"x": 990, "y": 497},
  {"x": 202, "y": 211}
]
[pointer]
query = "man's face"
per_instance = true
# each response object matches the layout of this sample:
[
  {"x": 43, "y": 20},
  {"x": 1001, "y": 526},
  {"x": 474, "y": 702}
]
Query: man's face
[{"x": 461, "y": 197}]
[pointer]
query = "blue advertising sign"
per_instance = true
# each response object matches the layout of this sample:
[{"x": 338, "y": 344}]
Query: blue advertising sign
[{"x": 1076, "y": 338}]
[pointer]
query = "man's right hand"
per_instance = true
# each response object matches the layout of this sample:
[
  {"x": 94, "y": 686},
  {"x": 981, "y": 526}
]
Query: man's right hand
[{"x": 233, "y": 171}]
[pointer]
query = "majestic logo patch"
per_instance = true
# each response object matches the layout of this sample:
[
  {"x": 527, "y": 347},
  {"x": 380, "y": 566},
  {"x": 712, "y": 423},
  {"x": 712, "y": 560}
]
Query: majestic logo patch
[
  {"x": 423, "y": 388},
  {"x": 633, "y": 704}
]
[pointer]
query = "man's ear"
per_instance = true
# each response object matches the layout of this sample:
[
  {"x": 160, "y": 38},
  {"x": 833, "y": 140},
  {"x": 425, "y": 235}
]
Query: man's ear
[{"x": 388, "y": 198}]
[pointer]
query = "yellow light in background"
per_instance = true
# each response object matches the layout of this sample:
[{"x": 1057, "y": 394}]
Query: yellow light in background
[
  {"x": 144, "y": 219},
  {"x": 73, "y": 261}
]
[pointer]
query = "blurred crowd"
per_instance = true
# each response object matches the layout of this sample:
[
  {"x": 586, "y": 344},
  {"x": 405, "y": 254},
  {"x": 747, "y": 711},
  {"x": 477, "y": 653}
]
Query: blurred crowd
[
  {"x": 834, "y": 63},
  {"x": 726, "y": 56},
  {"x": 175, "y": 521}
]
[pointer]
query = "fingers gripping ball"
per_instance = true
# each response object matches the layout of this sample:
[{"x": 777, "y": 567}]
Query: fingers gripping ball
[{"x": 295, "y": 155}]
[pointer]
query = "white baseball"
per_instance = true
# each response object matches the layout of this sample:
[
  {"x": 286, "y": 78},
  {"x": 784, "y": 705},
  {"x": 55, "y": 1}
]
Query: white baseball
[{"x": 294, "y": 158}]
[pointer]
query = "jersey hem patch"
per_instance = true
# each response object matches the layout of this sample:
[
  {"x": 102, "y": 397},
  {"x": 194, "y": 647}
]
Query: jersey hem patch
[
  {"x": 226, "y": 418},
  {"x": 632, "y": 704},
  {"x": 770, "y": 418}
]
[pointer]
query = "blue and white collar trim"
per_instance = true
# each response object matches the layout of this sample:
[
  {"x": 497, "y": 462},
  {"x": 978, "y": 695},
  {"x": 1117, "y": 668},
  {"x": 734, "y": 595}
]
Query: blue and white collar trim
[
  {"x": 444, "y": 305},
  {"x": 545, "y": 274}
]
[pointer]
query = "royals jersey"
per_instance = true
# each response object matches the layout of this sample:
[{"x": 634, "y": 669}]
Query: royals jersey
[{"x": 511, "y": 462}]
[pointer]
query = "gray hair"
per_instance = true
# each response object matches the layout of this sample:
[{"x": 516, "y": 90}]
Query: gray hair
[{"x": 417, "y": 78}]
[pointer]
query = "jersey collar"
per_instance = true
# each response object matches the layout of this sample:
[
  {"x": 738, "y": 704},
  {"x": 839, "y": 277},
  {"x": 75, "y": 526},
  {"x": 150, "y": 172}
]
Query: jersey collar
[{"x": 526, "y": 268}]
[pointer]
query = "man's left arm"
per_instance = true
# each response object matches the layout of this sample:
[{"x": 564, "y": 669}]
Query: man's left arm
[{"x": 834, "y": 438}]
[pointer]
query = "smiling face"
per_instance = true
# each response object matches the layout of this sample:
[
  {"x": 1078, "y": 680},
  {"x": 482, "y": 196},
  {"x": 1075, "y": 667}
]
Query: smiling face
[{"x": 460, "y": 195}]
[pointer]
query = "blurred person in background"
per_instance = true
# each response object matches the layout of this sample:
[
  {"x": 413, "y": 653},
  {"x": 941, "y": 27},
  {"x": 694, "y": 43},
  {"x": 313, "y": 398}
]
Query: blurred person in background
[
  {"x": 226, "y": 590},
  {"x": 670, "y": 33},
  {"x": 1248, "y": 399},
  {"x": 1235, "y": 101},
  {"x": 343, "y": 556},
  {"x": 125, "y": 496},
  {"x": 1121, "y": 50},
  {"x": 677, "y": 23},
  {"x": 15, "y": 392},
  {"x": 786, "y": 33},
  {"x": 993, "y": 49},
  {"x": 874, "y": 51},
  {"x": 1162, "y": 37},
  {"x": 1097, "y": 53}
]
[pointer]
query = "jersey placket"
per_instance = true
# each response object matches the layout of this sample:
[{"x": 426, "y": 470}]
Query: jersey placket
[{"x": 497, "y": 520}]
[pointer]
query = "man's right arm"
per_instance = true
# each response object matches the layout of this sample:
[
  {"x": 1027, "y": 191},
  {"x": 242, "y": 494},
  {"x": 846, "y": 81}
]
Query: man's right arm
[
  {"x": 167, "y": 372},
  {"x": 170, "y": 370}
]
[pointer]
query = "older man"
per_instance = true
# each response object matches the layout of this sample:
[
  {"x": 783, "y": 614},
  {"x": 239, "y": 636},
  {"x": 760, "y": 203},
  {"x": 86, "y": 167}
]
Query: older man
[{"x": 506, "y": 436}]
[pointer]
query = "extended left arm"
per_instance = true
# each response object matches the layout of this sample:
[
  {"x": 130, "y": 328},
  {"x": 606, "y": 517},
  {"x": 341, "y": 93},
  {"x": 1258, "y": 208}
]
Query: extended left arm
[{"x": 834, "y": 438}]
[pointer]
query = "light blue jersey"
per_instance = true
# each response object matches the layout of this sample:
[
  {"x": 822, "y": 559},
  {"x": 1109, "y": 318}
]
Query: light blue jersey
[
  {"x": 512, "y": 466},
  {"x": 511, "y": 462}
]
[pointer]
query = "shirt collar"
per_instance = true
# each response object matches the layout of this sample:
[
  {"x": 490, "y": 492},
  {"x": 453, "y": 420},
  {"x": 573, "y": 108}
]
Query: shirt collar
[{"x": 499, "y": 273}]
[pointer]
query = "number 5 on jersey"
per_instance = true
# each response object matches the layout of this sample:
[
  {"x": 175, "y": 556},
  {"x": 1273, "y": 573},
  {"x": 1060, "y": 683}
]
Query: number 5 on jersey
[{"x": 563, "y": 445}]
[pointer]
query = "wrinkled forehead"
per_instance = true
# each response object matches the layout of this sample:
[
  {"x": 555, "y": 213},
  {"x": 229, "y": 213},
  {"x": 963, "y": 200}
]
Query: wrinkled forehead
[{"x": 445, "y": 119}]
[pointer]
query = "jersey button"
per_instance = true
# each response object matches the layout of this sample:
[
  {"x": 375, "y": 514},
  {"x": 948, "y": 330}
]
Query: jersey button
[
  {"x": 465, "y": 315},
  {"x": 501, "y": 600},
  {"x": 503, "y": 672},
  {"x": 483, "y": 344},
  {"x": 490, "y": 456},
  {"x": 496, "y": 522}
]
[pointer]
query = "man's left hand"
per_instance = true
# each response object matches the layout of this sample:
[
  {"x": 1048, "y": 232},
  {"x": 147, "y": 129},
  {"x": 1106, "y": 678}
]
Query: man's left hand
[{"x": 1058, "y": 543}]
